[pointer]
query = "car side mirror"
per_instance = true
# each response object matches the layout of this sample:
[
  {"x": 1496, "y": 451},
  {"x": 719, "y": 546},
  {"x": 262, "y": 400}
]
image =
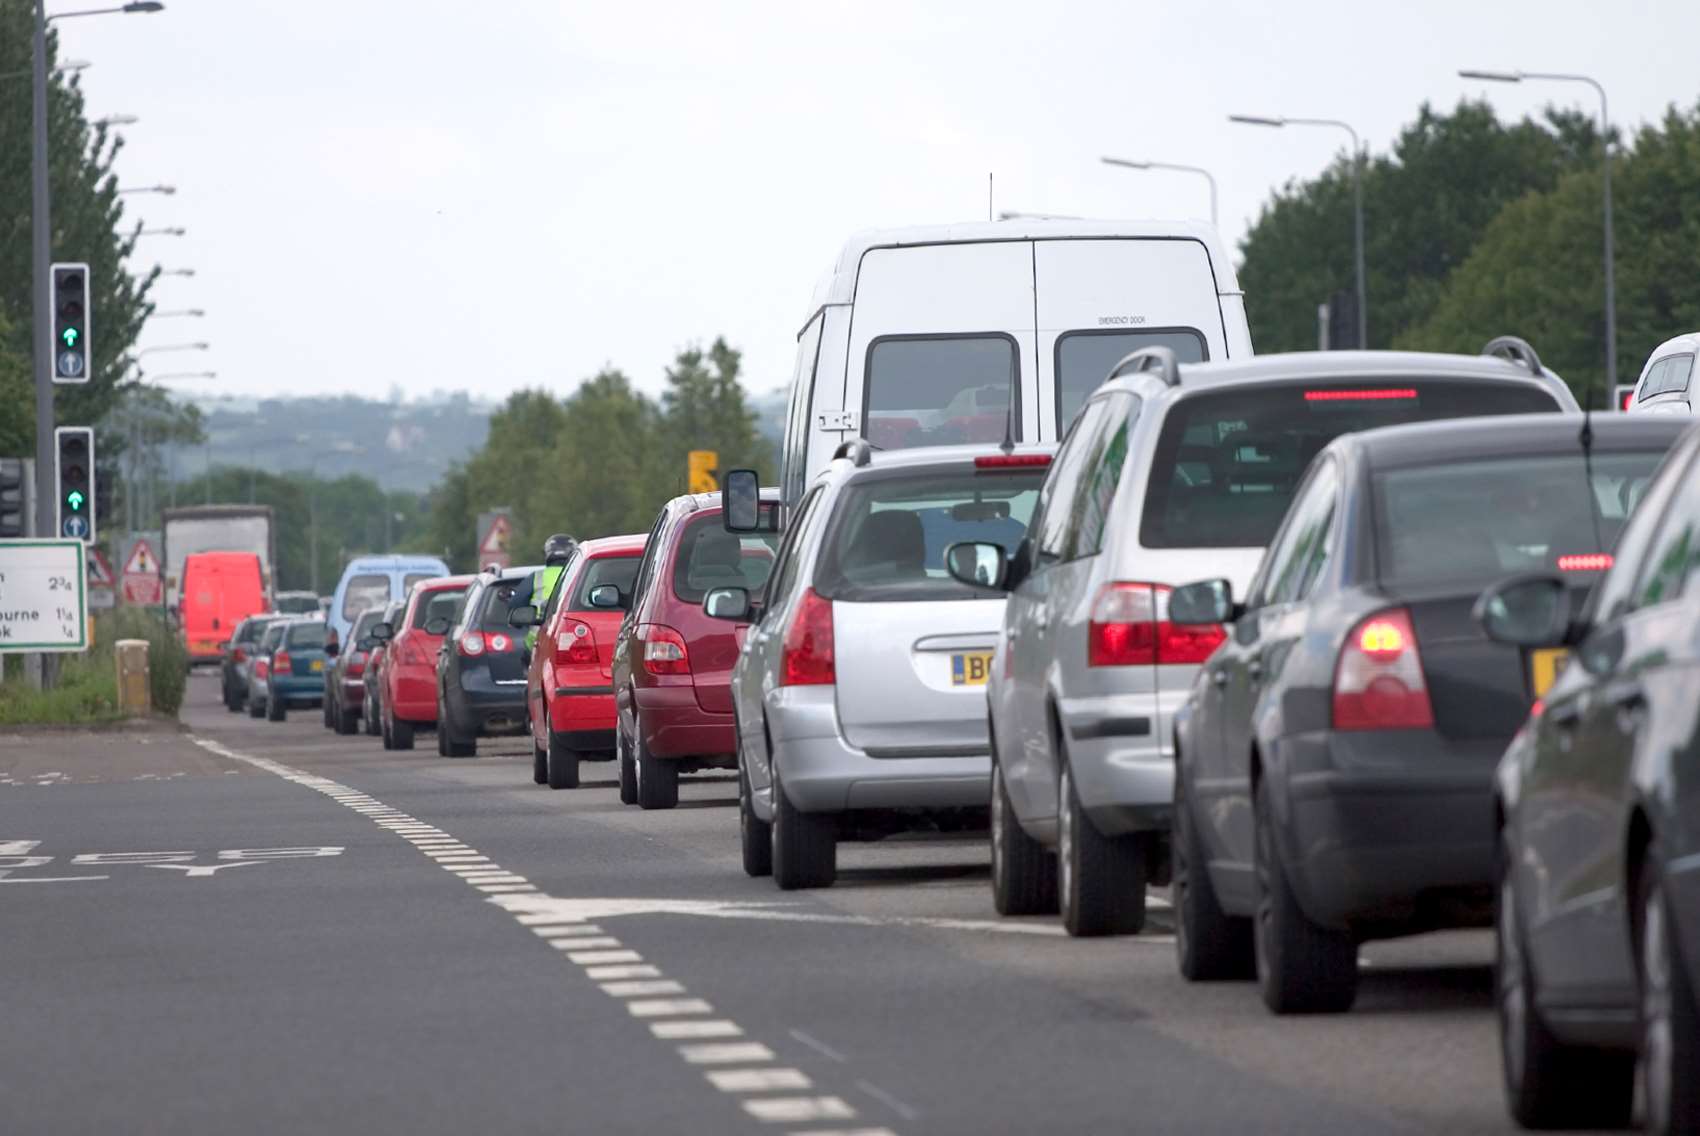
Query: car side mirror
[
  {"x": 978, "y": 563},
  {"x": 1205, "y": 602},
  {"x": 727, "y": 603},
  {"x": 525, "y": 616},
  {"x": 332, "y": 647},
  {"x": 740, "y": 501},
  {"x": 437, "y": 626},
  {"x": 606, "y": 596},
  {"x": 1527, "y": 611},
  {"x": 382, "y": 632}
]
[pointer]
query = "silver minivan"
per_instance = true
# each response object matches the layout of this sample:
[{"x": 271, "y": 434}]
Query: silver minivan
[
  {"x": 859, "y": 692},
  {"x": 1170, "y": 473}
]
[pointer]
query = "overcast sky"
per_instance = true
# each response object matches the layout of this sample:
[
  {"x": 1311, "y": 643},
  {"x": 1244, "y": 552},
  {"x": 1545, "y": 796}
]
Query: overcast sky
[{"x": 448, "y": 195}]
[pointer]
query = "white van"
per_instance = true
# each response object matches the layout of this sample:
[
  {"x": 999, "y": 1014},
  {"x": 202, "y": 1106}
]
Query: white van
[
  {"x": 955, "y": 333},
  {"x": 1663, "y": 387}
]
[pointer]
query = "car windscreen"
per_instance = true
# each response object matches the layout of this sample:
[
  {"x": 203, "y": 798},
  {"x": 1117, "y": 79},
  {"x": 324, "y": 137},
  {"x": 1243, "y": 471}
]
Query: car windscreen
[
  {"x": 1227, "y": 461},
  {"x": 439, "y": 603},
  {"x": 413, "y": 578},
  {"x": 888, "y": 536},
  {"x": 251, "y": 630},
  {"x": 711, "y": 557},
  {"x": 1085, "y": 358},
  {"x": 306, "y": 635},
  {"x": 362, "y": 592},
  {"x": 298, "y": 605},
  {"x": 939, "y": 391},
  {"x": 621, "y": 571},
  {"x": 498, "y": 598},
  {"x": 363, "y": 627},
  {"x": 1480, "y": 520}
]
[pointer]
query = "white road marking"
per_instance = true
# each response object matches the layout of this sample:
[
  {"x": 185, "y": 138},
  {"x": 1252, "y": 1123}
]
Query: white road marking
[
  {"x": 568, "y": 931},
  {"x": 642, "y": 988},
  {"x": 819, "y": 1046},
  {"x": 888, "y": 1100},
  {"x": 584, "y": 958},
  {"x": 795, "y": 1110},
  {"x": 725, "y": 1052},
  {"x": 686, "y": 1028},
  {"x": 17, "y": 847},
  {"x": 50, "y": 879},
  {"x": 758, "y": 1080},
  {"x": 643, "y": 970},
  {"x": 667, "y": 1007},
  {"x": 597, "y": 944},
  {"x": 197, "y": 870},
  {"x": 494, "y": 889}
]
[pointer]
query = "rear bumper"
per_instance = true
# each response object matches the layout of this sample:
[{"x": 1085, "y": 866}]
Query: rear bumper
[
  {"x": 574, "y": 708},
  {"x": 1388, "y": 827},
  {"x": 1121, "y": 754},
  {"x": 353, "y": 694},
  {"x": 297, "y": 688},
  {"x": 824, "y": 773},
  {"x": 413, "y": 693},
  {"x": 676, "y": 727},
  {"x": 480, "y": 704}
]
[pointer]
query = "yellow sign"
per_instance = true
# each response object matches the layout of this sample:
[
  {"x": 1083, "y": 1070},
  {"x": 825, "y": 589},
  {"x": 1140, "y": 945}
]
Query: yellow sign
[
  {"x": 704, "y": 466},
  {"x": 1544, "y": 666}
]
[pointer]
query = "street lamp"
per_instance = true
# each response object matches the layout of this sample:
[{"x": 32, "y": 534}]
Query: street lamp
[
  {"x": 177, "y": 272},
  {"x": 192, "y": 313},
  {"x": 168, "y": 190},
  {"x": 134, "y": 8},
  {"x": 186, "y": 375},
  {"x": 1605, "y": 167},
  {"x": 172, "y": 232},
  {"x": 1127, "y": 163},
  {"x": 117, "y": 120},
  {"x": 1357, "y": 199},
  {"x": 173, "y": 347}
]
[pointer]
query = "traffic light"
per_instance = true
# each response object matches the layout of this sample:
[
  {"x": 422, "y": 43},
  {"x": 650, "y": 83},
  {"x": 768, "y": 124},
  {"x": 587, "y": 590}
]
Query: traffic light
[
  {"x": 14, "y": 499},
  {"x": 74, "y": 448},
  {"x": 71, "y": 356}
]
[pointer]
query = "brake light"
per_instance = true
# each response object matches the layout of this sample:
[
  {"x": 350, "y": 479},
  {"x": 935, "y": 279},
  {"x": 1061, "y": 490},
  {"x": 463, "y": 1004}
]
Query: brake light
[
  {"x": 1130, "y": 626},
  {"x": 281, "y": 662},
  {"x": 500, "y": 642},
  {"x": 808, "y": 657},
  {"x": 575, "y": 644},
  {"x": 239, "y": 656},
  {"x": 1585, "y": 562},
  {"x": 357, "y": 663},
  {"x": 1388, "y": 394},
  {"x": 472, "y": 644},
  {"x": 1378, "y": 680},
  {"x": 663, "y": 650},
  {"x": 1628, "y": 399},
  {"x": 261, "y": 668},
  {"x": 1011, "y": 461}
]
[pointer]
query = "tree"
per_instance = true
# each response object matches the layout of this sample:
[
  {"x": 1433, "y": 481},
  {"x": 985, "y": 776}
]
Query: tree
[{"x": 705, "y": 409}]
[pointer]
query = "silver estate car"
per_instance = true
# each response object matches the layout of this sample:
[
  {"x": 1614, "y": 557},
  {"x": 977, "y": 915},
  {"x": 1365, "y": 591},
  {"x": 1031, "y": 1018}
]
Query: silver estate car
[
  {"x": 1169, "y": 473},
  {"x": 859, "y": 693}
]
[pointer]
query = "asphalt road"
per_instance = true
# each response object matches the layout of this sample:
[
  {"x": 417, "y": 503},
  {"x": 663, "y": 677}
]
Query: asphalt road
[{"x": 255, "y": 927}]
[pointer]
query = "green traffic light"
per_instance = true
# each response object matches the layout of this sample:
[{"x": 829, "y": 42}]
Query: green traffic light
[
  {"x": 69, "y": 335},
  {"x": 75, "y": 499}
]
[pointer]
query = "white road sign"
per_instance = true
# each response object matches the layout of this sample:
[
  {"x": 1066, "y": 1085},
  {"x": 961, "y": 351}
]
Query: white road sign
[{"x": 43, "y": 601}]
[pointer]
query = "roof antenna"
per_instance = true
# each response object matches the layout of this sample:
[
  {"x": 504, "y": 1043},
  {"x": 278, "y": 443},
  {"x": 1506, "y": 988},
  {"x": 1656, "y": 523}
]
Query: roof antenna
[{"x": 1008, "y": 443}]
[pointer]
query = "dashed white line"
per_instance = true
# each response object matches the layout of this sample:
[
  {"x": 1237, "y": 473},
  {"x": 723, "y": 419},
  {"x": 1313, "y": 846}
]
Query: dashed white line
[
  {"x": 667, "y": 1007},
  {"x": 688, "y": 1028},
  {"x": 588, "y": 945},
  {"x": 758, "y": 1080},
  {"x": 888, "y": 1100},
  {"x": 725, "y": 1052},
  {"x": 602, "y": 973},
  {"x": 642, "y": 988},
  {"x": 585, "y": 958},
  {"x": 795, "y": 1110},
  {"x": 819, "y": 1046}
]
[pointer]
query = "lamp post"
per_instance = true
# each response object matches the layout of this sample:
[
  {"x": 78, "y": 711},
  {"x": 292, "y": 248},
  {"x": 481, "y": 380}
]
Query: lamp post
[
  {"x": 186, "y": 375},
  {"x": 117, "y": 120},
  {"x": 1357, "y": 200},
  {"x": 1130, "y": 164},
  {"x": 173, "y": 347},
  {"x": 1605, "y": 172},
  {"x": 191, "y": 313},
  {"x": 177, "y": 272},
  {"x": 168, "y": 190},
  {"x": 174, "y": 231}
]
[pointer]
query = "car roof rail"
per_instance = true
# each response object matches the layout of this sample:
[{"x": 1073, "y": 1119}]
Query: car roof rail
[
  {"x": 1515, "y": 350},
  {"x": 1153, "y": 358},
  {"x": 860, "y": 451}
]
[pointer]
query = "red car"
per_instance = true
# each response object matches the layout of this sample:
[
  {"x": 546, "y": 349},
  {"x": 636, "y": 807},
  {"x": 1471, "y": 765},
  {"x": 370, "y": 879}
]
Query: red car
[
  {"x": 672, "y": 663},
  {"x": 408, "y": 699},
  {"x": 569, "y": 694}
]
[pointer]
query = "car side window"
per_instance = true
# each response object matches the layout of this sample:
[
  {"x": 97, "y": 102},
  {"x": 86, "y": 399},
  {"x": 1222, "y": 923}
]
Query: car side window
[
  {"x": 1673, "y": 553},
  {"x": 785, "y": 571},
  {"x": 1676, "y": 376},
  {"x": 1615, "y": 595},
  {"x": 1300, "y": 551},
  {"x": 1655, "y": 377},
  {"x": 1055, "y": 523},
  {"x": 651, "y": 553},
  {"x": 1104, "y": 466}
]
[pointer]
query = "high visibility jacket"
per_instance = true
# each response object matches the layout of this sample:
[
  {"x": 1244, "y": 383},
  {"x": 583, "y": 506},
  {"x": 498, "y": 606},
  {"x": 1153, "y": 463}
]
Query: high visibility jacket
[{"x": 542, "y": 587}]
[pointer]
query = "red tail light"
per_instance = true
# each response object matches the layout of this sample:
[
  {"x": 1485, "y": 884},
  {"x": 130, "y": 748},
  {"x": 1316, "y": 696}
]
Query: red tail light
[
  {"x": 1011, "y": 461},
  {"x": 1378, "y": 680},
  {"x": 499, "y": 642},
  {"x": 575, "y": 644},
  {"x": 808, "y": 657},
  {"x": 239, "y": 656},
  {"x": 281, "y": 662},
  {"x": 663, "y": 650},
  {"x": 1585, "y": 562},
  {"x": 1130, "y": 627},
  {"x": 472, "y": 644},
  {"x": 262, "y": 668},
  {"x": 357, "y": 663},
  {"x": 1381, "y": 395}
]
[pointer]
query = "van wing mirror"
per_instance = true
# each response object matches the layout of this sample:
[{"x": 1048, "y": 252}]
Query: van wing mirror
[
  {"x": 382, "y": 632},
  {"x": 740, "y": 501},
  {"x": 978, "y": 563}
]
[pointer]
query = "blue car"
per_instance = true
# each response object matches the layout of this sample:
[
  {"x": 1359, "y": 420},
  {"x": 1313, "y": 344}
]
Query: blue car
[{"x": 296, "y": 671}]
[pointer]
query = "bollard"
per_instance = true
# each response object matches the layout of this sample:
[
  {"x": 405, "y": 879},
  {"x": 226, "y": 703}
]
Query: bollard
[{"x": 135, "y": 696}]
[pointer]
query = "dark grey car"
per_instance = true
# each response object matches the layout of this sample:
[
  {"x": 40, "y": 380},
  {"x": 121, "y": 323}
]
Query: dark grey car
[
  {"x": 1336, "y": 756},
  {"x": 1598, "y": 811}
]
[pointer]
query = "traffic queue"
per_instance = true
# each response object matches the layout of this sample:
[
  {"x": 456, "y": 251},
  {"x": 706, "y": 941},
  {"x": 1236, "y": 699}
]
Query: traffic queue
[{"x": 1335, "y": 646}]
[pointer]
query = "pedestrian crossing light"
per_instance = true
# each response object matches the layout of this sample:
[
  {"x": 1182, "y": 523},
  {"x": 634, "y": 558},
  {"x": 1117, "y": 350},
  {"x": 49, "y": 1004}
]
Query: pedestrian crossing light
[
  {"x": 74, "y": 448},
  {"x": 70, "y": 306}
]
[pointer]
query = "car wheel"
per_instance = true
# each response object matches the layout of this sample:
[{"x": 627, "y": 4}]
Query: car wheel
[
  {"x": 1548, "y": 1084},
  {"x": 384, "y": 729},
  {"x": 1210, "y": 945},
  {"x": 276, "y": 709},
  {"x": 328, "y": 706},
  {"x": 1301, "y": 967},
  {"x": 369, "y": 717},
  {"x": 256, "y": 708},
  {"x": 347, "y": 722},
  {"x": 1024, "y": 872},
  {"x": 232, "y": 700},
  {"x": 539, "y": 763},
  {"x": 805, "y": 845},
  {"x": 1670, "y": 1018},
  {"x": 401, "y": 733},
  {"x": 627, "y": 767},
  {"x": 563, "y": 763},
  {"x": 657, "y": 779},
  {"x": 1100, "y": 879},
  {"x": 755, "y": 834}
]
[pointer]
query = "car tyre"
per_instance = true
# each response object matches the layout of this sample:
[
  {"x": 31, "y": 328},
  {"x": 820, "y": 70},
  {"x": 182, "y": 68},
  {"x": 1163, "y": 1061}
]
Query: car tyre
[
  {"x": 1302, "y": 968},
  {"x": 328, "y": 707},
  {"x": 805, "y": 845},
  {"x": 384, "y": 730},
  {"x": 1024, "y": 872},
  {"x": 276, "y": 709},
  {"x": 627, "y": 767},
  {"x": 539, "y": 763},
  {"x": 1670, "y": 1018},
  {"x": 401, "y": 733},
  {"x": 657, "y": 780},
  {"x": 754, "y": 834},
  {"x": 1100, "y": 879},
  {"x": 232, "y": 700},
  {"x": 369, "y": 717},
  {"x": 256, "y": 708},
  {"x": 1210, "y": 945},
  {"x": 563, "y": 763},
  {"x": 347, "y": 722}
]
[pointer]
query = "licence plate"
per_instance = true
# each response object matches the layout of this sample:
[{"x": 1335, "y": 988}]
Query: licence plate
[
  {"x": 1544, "y": 665},
  {"x": 970, "y": 668},
  {"x": 318, "y": 665}
]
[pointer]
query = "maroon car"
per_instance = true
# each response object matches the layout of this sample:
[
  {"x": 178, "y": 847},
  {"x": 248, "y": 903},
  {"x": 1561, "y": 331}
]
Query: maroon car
[{"x": 672, "y": 664}]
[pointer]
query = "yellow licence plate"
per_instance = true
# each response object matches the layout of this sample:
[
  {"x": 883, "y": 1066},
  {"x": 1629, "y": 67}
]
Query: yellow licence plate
[
  {"x": 318, "y": 665},
  {"x": 970, "y": 668},
  {"x": 1544, "y": 665}
]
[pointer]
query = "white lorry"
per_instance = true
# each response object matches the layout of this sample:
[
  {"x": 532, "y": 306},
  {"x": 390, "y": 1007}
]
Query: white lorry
[{"x": 217, "y": 528}]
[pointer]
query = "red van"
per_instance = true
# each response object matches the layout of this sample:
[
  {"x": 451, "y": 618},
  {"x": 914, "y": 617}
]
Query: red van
[
  {"x": 672, "y": 669},
  {"x": 220, "y": 590},
  {"x": 569, "y": 689}
]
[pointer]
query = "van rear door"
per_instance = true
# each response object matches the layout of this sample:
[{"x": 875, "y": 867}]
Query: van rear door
[
  {"x": 1098, "y": 299},
  {"x": 941, "y": 344}
]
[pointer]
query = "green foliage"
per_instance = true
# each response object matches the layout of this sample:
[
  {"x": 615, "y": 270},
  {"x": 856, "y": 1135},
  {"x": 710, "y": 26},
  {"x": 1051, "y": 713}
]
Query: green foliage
[
  {"x": 86, "y": 691},
  {"x": 168, "y": 661}
]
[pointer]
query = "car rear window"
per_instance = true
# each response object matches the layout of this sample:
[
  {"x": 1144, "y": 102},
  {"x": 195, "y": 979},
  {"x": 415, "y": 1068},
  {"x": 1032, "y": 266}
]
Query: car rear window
[
  {"x": 711, "y": 557},
  {"x": 363, "y": 625},
  {"x": 363, "y": 592},
  {"x": 251, "y": 630},
  {"x": 939, "y": 391},
  {"x": 273, "y": 635},
  {"x": 888, "y": 536},
  {"x": 1084, "y": 360},
  {"x": 413, "y": 578},
  {"x": 621, "y": 571},
  {"x": 1227, "y": 462},
  {"x": 298, "y": 604},
  {"x": 306, "y": 635},
  {"x": 1479, "y": 520},
  {"x": 439, "y": 603},
  {"x": 498, "y": 598}
]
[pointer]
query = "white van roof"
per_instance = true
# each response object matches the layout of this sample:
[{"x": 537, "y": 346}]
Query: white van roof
[{"x": 839, "y": 285}]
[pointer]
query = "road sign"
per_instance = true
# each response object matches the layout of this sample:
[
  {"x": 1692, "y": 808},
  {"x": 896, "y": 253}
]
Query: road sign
[
  {"x": 103, "y": 586},
  {"x": 704, "y": 469},
  {"x": 43, "y": 597},
  {"x": 70, "y": 308},
  {"x": 141, "y": 583},
  {"x": 494, "y": 529}
]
